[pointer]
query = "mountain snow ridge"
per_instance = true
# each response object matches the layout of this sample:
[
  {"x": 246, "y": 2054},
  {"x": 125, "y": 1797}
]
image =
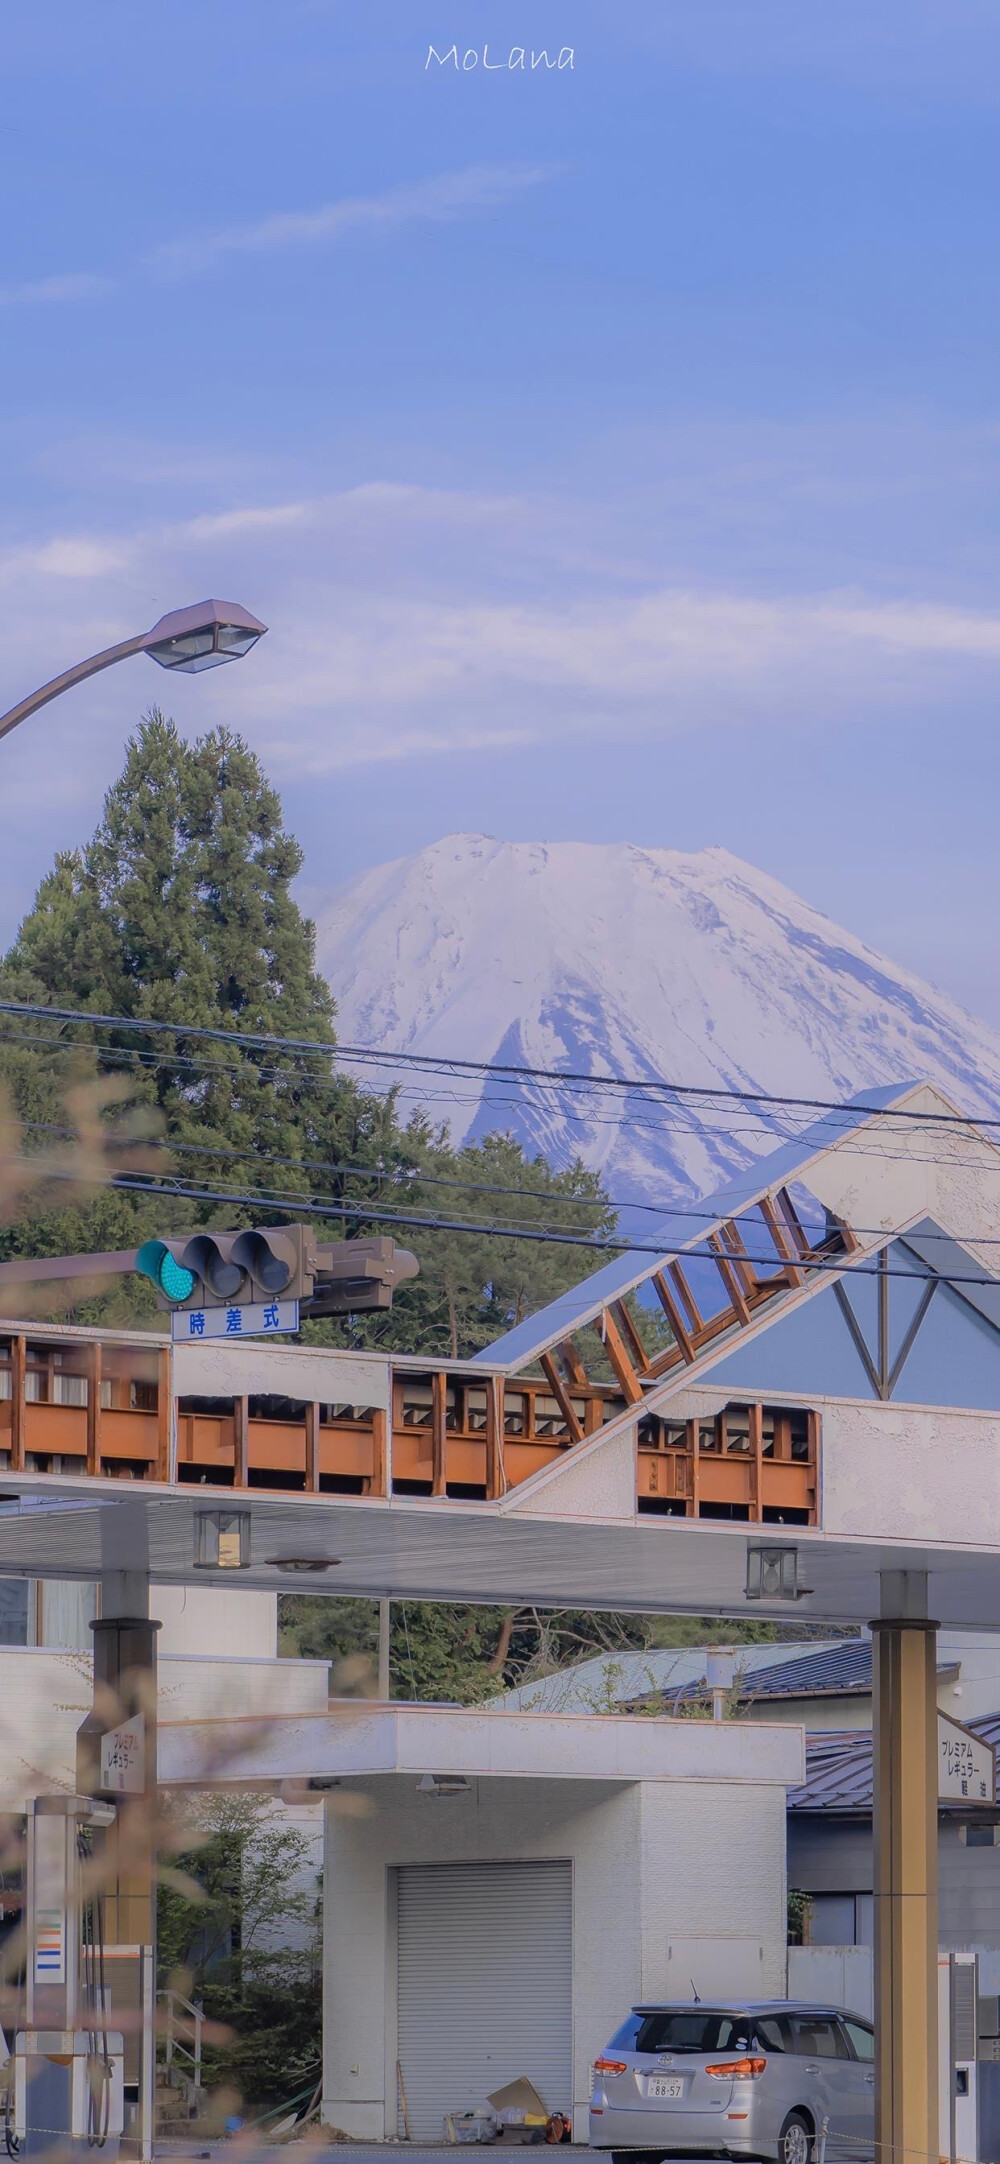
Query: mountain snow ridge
[{"x": 610, "y": 958}]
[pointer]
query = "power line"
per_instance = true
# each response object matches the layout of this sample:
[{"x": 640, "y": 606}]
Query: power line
[
  {"x": 394, "y": 1176},
  {"x": 215, "y": 1072},
  {"x": 401, "y": 1177},
  {"x": 710, "y": 1131},
  {"x": 440, "y": 1063},
  {"x": 605, "y": 1245}
]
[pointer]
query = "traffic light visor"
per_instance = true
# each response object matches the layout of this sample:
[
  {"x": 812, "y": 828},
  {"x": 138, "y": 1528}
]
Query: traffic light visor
[
  {"x": 270, "y": 1258},
  {"x": 211, "y": 1260},
  {"x": 170, "y": 1276}
]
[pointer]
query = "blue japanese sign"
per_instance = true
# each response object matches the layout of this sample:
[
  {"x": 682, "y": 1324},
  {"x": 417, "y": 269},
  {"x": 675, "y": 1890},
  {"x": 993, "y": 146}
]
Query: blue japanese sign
[{"x": 262, "y": 1319}]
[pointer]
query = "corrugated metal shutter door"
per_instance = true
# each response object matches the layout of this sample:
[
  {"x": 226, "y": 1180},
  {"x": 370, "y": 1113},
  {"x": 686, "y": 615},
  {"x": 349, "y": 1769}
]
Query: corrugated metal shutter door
[{"x": 485, "y": 1979}]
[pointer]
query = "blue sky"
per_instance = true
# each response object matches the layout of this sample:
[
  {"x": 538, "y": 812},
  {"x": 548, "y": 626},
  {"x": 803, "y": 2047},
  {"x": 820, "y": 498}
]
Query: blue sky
[{"x": 613, "y": 451}]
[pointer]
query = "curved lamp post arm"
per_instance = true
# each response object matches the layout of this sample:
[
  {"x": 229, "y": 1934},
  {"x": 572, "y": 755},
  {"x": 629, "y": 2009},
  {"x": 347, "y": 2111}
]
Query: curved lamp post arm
[
  {"x": 186, "y": 639},
  {"x": 69, "y": 677}
]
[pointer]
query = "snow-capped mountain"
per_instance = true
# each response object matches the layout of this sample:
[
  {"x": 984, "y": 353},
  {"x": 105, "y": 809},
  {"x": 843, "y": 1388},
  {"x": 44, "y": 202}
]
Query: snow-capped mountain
[{"x": 596, "y": 958}]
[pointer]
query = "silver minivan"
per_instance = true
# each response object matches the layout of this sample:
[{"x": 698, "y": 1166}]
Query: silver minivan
[{"x": 762, "y": 2079}]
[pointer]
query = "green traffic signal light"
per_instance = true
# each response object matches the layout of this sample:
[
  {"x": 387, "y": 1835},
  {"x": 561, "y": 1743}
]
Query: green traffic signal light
[{"x": 156, "y": 1261}]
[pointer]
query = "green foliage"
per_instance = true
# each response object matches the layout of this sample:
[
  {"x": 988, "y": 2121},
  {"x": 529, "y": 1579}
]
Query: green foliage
[
  {"x": 699, "y": 1630},
  {"x": 473, "y": 1286},
  {"x": 464, "y": 1654},
  {"x": 799, "y": 1905},
  {"x": 180, "y": 909},
  {"x": 229, "y": 1951}
]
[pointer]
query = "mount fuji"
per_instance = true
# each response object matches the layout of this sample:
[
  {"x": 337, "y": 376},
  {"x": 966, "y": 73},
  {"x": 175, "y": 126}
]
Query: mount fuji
[{"x": 649, "y": 963}]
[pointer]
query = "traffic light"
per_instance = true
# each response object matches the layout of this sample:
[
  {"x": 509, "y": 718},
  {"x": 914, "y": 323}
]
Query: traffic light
[
  {"x": 227, "y": 1269},
  {"x": 274, "y": 1262},
  {"x": 353, "y": 1275}
]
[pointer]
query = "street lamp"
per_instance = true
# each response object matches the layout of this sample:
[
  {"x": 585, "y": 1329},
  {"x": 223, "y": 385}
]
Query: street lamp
[{"x": 187, "y": 640}]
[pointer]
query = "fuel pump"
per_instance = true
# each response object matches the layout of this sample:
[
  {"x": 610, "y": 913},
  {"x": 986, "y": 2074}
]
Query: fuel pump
[{"x": 67, "y": 2093}]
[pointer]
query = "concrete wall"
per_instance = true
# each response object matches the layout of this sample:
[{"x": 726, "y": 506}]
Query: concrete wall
[
  {"x": 44, "y": 1695},
  {"x": 194, "y": 1619},
  {"x": 912, "y": 1469},
  {"x": 652, "y": 1863},
  {"x": 712, "y": 1870},
  {"x": 845, "y": 1975},
  {"x": 203, "y": 1619},
  {"x": 834, "y": 1976}
]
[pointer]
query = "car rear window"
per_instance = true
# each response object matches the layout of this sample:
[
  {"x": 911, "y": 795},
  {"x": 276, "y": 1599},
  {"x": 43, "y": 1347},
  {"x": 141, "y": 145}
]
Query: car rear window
[
  {"x": 624, "y": 2038},
  {"x": 694, "y": 2031}
]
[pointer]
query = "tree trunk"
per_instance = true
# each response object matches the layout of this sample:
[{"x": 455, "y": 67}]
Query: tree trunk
[{"x": 494, "y": 1667}]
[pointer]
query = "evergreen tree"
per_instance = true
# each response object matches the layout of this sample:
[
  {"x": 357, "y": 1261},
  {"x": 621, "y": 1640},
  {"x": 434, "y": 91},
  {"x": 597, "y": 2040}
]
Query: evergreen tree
[
  {"x": 466, "y": 1654},
  {"x": 180, "y": 910},
  {"x": 473, "y": 1286}
]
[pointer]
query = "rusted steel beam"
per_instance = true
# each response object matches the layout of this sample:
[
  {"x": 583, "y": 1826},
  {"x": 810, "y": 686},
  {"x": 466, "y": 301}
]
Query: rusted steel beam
[
  {"x": 164, "y": 1423},
  {"x": 380, "y": 1451},
  {"x": 572, "y": 1364},
  {"x": 631, "y": 1337},
  {"x": 241, "y": 1442},
  {"x": 439, "y": 1433},
  {"x": 756, "y": 1463},
  {"x": 562, "y": 1398},
  {"x": 312, "y": 1448},
  {"x": 681, "y": 1286},
  {"x": 671, "y": 1357},
  {"x": 800, "y": 1237},
  {"x": 628, "y": 1380},
  {"x": 736, "y": 1249},
  {"x": 496, "y": 1475},
  {"x": 18, "y": 1404},
  {"x": 671, "y": 1308},
  {"x": 815, "y": 1431},
  {"x": 729, "y": 1279},
  {"x": 782, "y": 1242},
  {"x": 94, "y": 1407}
]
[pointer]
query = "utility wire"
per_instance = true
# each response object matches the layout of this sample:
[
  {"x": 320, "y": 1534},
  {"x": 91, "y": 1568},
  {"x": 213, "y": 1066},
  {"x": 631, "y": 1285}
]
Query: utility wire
[
  {"x": 401, "y": 1177},
  {"x": 440, "y": 1063},
  {"x": 709, "y": 1131},
  {"x": 605, "y": 1245}
]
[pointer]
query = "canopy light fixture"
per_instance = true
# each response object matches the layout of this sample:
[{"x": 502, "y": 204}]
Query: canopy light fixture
[
  {"x": 773, "y": 1574},
  {"x": 303, "y": 1563},
  {"x": 442, "y": 1784},
  {"x": 222, "y": 1540}
]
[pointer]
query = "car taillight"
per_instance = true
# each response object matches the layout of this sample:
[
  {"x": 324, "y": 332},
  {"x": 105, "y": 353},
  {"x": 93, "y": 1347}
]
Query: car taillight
[
  {"x": 737, "y": 2069},
  {"x": 610, "y": 2066}
]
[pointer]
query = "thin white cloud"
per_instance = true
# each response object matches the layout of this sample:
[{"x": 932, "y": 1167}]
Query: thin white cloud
[
  {"x": 67, "y": 286},
  {"x": 79, "y": 557},
  {"x": 439, "y": 200},
  {"x": 436, "y": 201},
  {"x": 409, "y": 623}
]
